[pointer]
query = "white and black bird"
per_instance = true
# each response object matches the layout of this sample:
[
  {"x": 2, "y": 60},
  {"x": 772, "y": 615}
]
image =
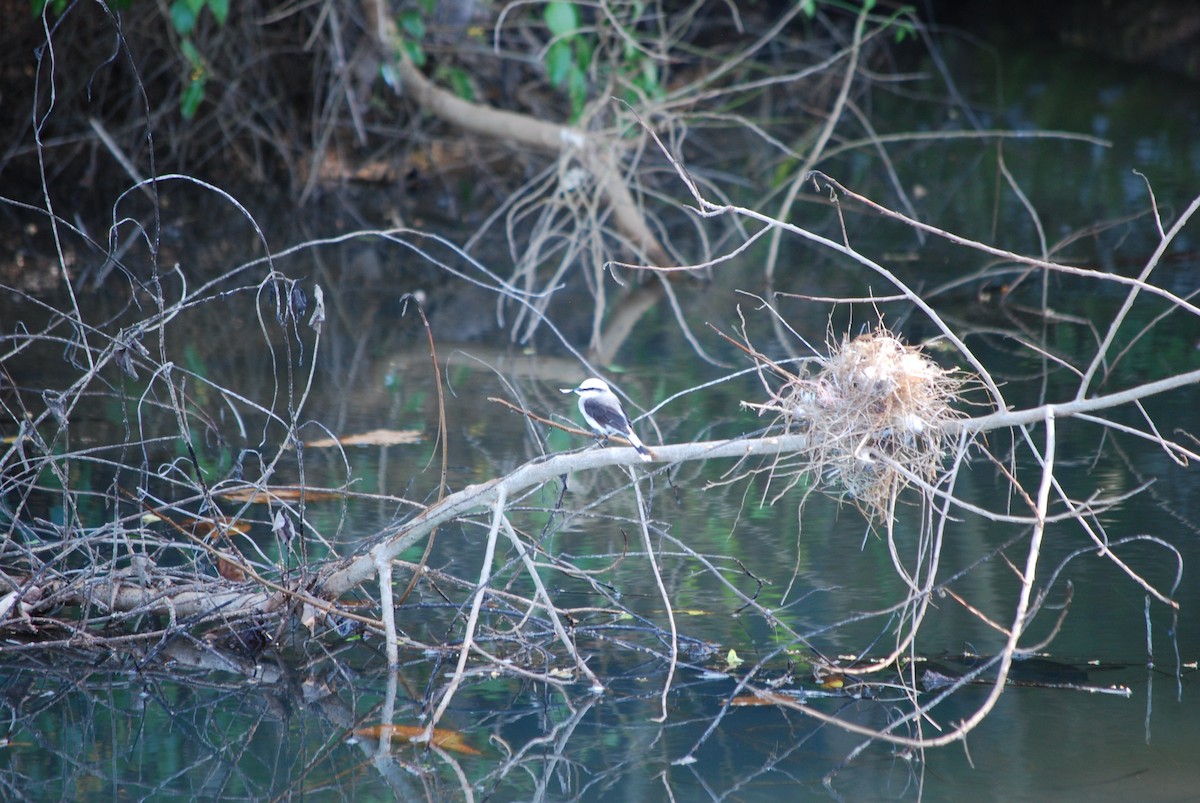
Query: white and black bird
[{"x": 603, "y": 413}]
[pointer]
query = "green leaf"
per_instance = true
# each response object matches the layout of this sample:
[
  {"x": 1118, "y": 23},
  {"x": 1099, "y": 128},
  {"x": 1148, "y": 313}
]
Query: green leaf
[
  {"x": 583, "y": 52},
  {"x": 192, "y": 97},
  {"x": 577, "y": 87},
  {"x": 558, "y": 61},
  {"x": 38, "y": 7},
  {"x": 191, "y": 53},
  {"x": 561, "y": 18},
  {"x": 576, "y": 82},
  {"x": 183, "y": 19},
  {"x": 460, "y": 82},
  {"x": 647, "y": 79},
  {"x": 220, "y": 10},
  {"x": 416, "y": 54},
  {"x": 413, "y": 24}
]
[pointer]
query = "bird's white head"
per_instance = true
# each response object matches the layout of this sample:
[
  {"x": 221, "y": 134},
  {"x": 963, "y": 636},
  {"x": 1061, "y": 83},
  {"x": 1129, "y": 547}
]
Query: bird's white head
[{"x": 589, "y": 387}]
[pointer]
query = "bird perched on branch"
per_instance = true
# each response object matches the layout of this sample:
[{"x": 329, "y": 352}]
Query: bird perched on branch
[{"x": 603, "y": 413}]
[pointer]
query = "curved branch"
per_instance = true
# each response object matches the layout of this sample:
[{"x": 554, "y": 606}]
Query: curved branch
[
  {"x": 401, "y": 536},
  {"x": 595, "y": 152}
]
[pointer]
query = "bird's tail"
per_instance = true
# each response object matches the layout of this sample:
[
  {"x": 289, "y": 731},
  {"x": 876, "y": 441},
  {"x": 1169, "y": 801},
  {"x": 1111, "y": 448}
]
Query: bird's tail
[{"x": 637, "y": 444}]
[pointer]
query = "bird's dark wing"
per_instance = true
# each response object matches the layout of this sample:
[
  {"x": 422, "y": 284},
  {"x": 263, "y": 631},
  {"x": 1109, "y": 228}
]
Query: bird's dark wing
[{"x": 609, "y": 417}]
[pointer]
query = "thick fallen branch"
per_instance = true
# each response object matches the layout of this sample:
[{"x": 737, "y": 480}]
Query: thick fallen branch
[
  {"x": 1076, "y": 407},
  {"x": 474, "y": 497},
  {"x": 190, "y": 599},
  {"x": 594, "y": 151}
]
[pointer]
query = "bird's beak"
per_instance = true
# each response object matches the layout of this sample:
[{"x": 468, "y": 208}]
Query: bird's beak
[{"x": 567, "y": 390}]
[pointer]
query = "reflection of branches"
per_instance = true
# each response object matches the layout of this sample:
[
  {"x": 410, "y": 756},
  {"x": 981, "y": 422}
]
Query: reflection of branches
[{"x": 801, "y": 404}]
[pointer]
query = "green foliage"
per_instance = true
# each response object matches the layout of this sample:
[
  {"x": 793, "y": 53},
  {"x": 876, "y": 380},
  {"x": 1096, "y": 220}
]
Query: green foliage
[
  {"x": 561, "y": 18},
  {"x": 193, "y": 88},
  {"x": 575, "y": 51},
  {"x": 56, "y": 7},
  {"x": 569, "y": 55},
  {"x": 900, "y": 20},
  {"x": 904, "y": 30},
  {"x": 412, "y": 26},
  {"x": 185, "y": 14},
  {"x": 576, "y": 55},
  {"x": 412, "y": 31},
  {"x": 459, "y": 80}
]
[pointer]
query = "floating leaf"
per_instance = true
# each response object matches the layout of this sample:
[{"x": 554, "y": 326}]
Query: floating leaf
[
  {"x": 749, "y": 699},
  {"x": 213, "y": 528},
  {"x": 833, "y": 682},
  {"x": 445, "y": 739},
  {"x": 230, "y": 570},
  {"x": 376, "y": 437},
  {"x": 733, "y": 660},
  {"x": 262, "y": 496}
]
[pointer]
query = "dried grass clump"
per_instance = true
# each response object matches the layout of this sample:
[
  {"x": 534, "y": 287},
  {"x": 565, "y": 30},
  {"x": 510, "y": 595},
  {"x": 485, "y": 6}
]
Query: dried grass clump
[{"x": 875, "y": 412}]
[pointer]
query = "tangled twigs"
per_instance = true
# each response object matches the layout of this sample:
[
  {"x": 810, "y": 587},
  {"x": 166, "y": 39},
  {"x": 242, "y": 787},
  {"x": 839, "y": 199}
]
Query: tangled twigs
[{"x": 875, "y": 402}]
